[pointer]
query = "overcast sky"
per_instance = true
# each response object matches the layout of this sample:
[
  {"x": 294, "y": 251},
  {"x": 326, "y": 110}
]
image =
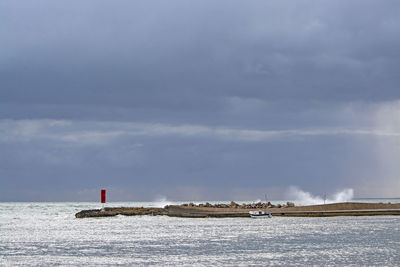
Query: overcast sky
[{"x": 195, "y": 100}]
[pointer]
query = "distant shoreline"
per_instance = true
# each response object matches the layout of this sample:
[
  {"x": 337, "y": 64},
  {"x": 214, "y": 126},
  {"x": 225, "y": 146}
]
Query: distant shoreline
[{"x": 234, "y": 210}]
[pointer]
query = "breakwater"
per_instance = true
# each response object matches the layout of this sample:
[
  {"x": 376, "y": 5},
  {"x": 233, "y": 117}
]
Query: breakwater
[
  {"x": 127, "y": 211},
  {"x": 235, "y": 210}
]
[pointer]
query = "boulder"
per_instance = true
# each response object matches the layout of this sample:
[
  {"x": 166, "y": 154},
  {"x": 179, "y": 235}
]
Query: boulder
[
  {"x": 233, "y": 204},
  {"x": 290, "y": 204}
]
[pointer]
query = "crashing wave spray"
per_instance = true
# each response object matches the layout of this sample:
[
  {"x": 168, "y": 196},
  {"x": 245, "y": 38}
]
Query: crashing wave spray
[
  {"x": 301, "y": 197},
  {"x": 161, "y": 202}
]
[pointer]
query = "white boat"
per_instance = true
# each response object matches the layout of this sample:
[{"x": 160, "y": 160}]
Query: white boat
[{"x": 260, "y": 214}]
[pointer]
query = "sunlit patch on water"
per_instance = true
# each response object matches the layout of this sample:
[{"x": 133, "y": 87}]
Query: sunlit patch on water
[{"x": 49, "y": 234}]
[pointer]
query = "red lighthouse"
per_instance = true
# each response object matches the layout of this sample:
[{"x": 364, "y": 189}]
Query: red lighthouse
[{"x": 103, "y": 196}]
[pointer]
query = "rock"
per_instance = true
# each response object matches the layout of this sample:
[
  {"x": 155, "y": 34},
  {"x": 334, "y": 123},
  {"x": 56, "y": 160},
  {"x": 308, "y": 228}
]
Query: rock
[
  {"x": 290, "y": 204},
  {"x": 233, "y": 204}
]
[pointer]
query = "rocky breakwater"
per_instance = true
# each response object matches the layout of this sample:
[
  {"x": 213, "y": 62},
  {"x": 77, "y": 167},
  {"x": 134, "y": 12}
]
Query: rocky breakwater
[
  {"x": 134, "y": 211},
  {"x": 222, "y": 210},
  {"x": 232, "y": 209},
  {"x": 234, "y": 205}
]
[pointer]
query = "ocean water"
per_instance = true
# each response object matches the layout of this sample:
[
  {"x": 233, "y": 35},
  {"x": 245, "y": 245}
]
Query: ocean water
[{"x": 46, "y": 234}]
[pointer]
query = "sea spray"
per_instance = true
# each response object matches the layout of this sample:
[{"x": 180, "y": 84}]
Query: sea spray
[
  {"x": 343, "y": 196},
  {"x": 301, "y": 197},
  {"x": 161, "y": 202}
]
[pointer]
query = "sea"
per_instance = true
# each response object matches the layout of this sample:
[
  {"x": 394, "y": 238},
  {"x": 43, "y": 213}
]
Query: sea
[{"x": 48, "y": 234}]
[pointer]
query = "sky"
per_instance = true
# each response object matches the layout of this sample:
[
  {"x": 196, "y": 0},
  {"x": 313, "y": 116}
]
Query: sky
[{"x": 198, "y": 100}]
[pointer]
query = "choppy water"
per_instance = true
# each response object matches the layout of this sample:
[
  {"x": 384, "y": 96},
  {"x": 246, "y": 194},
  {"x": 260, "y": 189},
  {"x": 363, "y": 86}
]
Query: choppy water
[{"x": 42, "y": 234}]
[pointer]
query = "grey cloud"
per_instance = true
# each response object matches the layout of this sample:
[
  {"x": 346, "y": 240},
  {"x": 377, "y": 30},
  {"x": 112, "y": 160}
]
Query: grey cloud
[
  {"x": 155, "y": 164},
  {"x": 69, "y": 155},
  {"x": 101, "y": 133},
  {"x": 198, "y": 95},
  {"x": 150, "y": 54}
]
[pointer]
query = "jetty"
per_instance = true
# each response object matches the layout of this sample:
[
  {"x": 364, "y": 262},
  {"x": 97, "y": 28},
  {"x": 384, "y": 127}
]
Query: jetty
[{"x": 233, "y": 209}]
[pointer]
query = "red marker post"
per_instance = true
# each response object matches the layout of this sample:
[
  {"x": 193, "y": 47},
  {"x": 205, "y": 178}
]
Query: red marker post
[{"x": 103, "y": 196}]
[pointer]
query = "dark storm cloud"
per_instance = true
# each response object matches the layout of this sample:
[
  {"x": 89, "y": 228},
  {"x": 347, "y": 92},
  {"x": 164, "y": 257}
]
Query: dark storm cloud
[
  {"x": 182, "y": 55},
  {"x": 197, "y": 95}
]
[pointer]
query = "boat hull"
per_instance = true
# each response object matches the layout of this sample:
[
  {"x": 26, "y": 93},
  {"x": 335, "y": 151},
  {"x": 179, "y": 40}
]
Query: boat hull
[{"x": 260, "y": 214}]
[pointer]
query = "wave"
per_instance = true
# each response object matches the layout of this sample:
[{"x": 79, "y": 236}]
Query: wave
[
  {"x": 161, "y": 202},
  {"x": 301, "y": 197}
]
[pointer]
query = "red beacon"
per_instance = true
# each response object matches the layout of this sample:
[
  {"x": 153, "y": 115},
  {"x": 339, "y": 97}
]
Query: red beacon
[{"x": 103, "y": 196}]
